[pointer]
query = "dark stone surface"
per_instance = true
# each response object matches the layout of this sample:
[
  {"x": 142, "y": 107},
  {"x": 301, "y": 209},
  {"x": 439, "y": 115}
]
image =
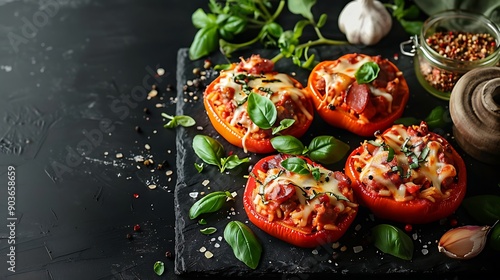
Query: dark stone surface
[{"x": 279, "y": 257}]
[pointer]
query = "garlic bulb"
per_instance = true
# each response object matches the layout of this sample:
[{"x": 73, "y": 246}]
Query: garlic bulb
[
  {"x": 365, "y": 21},
  {"x": 463, "y": 242}
]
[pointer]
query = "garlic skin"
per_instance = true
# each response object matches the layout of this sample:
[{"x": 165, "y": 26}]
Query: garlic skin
[
  {"x": 463, "y": 242},
  {"x": 364, "y": 21}
]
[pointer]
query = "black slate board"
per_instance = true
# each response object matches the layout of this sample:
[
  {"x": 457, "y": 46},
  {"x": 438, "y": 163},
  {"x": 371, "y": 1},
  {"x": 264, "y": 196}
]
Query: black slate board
[{"x": 280, "y": 258}]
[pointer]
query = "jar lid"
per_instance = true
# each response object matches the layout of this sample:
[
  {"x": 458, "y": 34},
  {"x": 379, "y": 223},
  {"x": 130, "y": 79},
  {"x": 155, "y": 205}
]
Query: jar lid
[{"x": 475, "y": 112}]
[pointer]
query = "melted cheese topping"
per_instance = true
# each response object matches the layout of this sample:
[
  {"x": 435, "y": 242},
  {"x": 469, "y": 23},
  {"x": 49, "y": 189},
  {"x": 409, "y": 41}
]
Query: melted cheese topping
[
  {"x": 376, "y": 168},
  {"x": 281, "y": 86},
  {"x": 306, "y": 188},
  {"x": 335, "y": 84}
]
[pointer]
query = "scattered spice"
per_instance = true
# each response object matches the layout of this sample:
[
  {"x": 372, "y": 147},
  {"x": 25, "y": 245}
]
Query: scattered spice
[
  {"x": 137, "y": 228},
  {"x": 169, "y": 255},
  {"x": 135, "y": 195}
]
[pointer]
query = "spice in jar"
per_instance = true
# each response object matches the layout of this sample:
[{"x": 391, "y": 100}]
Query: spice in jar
[{"x": 459, "y": 46}]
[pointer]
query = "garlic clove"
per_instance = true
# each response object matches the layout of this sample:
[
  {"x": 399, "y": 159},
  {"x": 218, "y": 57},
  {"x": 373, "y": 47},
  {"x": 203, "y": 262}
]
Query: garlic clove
[{"x": 463, "y": 242}]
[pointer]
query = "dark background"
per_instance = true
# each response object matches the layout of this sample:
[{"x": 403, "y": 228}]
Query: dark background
[{"x": 73, "y": 82}]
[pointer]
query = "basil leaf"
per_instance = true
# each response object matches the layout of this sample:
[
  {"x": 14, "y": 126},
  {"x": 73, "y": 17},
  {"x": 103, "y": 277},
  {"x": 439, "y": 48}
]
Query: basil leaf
[
  {"x": 438, "y": 118},
  {"x": 182, "y": 120},
  {"x": 302, "y": 7},
  {"x": 185, "y": 121},
  {"x": 287, "y": 144},
  {"x": 392, "y": 240},
  {"x": 245, "y": 245},
  {"x": 367, "y": 72},
  {"x": 273, "y": 29},
  {"x": 159, "y": 268},
  {"x": 483, "y": 208},
  {"x": 208, "y": 149},
  {"x": 261, "y": 110},
  {"x": 200, "y": 19},
  {"x": 327, "y": 149},
  {"x": 208, "y": 230},
  {"x": 284, "y": 124},
  {"x": 495, "y": 237},
  {"x": 232, "y": 161},
  {"x": 210, "y": 203},
  {"x": 205, "y": 42},
  {"x": 234, "y": 25},
  {"x": 296, "y": 164}
]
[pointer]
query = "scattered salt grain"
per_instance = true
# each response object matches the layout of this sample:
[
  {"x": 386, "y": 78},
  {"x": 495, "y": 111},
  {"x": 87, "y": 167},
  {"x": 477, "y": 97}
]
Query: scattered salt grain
[
  {"x": 160, "y": 71},
  {"x": 147, "y": 147},
  {"x": 169, "y": 172},
  {"x": 357, "y": 249},
  {"x": 153, "y": 93},
  {"x": 193, "y": 194},
  {"x": 138, "y": 158},
  {"x": 208, "y": 254},
  {"x": 205, "y": 182},
  {"x": 119, "y": 155},
  {"x": 152, "y": 187},
  {"x": 203, "y": 250}
]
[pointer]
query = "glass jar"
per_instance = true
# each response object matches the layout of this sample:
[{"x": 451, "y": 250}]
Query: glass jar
[{"x": 450, "y": 44}]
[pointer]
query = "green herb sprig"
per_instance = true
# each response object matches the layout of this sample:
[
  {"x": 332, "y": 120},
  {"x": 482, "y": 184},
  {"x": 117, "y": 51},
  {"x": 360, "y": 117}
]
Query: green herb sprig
[
  {"x": 220, "y": 27},
  {"x": 407, "y": 17},
  {"x": 212, "y": 152},
  {"x": 322, "y": 149},
  {"x": 182, "y": 120}
]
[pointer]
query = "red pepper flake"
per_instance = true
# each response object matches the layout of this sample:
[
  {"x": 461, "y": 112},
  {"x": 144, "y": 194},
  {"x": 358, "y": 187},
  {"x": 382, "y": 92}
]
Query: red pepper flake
[
  {"x": 136, "y": 195},
  {"x": 453, "y": 222},
  {"x": 408, "y": 228},
  {"x": 137, "y": 228}
]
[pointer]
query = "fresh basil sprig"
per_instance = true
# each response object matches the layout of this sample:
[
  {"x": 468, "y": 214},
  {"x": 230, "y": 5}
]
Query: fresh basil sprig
[
  {"x": 218, "y": 29},
  {"x": 246, "y": 247},
  {"x": 367, "y": 72},
  {"x": 392, "y": 240},
  {"x": 181, "y": 120},
  {"x": 212, "y": 202},
  {"x": 322, "y": 149},
  {"x": 212, "y": 152}
]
